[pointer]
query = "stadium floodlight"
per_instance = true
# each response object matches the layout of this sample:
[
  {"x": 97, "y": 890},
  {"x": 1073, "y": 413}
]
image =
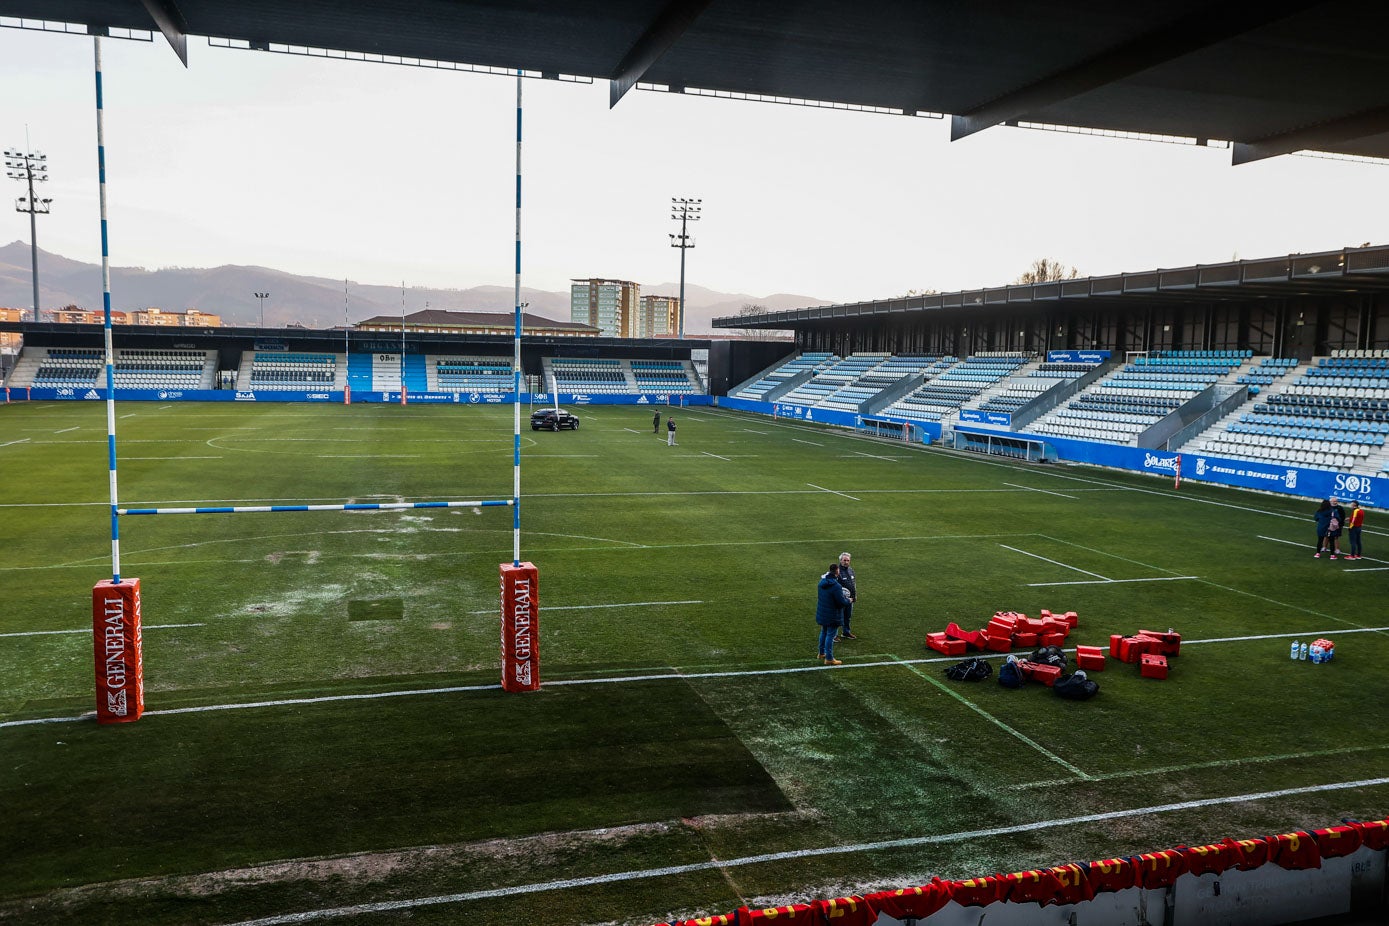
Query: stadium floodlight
[
  {"x": 30, "y": 167},
  {"x": 686, "y": 211},
  {"x": 262, "y": 297}
]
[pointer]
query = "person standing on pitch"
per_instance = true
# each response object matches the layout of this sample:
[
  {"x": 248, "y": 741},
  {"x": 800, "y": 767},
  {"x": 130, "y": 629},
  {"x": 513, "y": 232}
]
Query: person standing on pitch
[
  {"x": 656, "y": 422},
  {"x": 670, "y": 431},
  {"x": 1323, "y": 518},
  {"x": 1333, "y": 527},
  {"x": 846, "y": 579},
  {"x": 1354, "y": 522},
  {"x": 829, "y": 605}
]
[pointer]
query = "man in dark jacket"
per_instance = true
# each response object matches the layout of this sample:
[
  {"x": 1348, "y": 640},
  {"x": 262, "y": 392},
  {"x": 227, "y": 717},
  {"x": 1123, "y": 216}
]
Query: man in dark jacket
[
  {"x": 656, "y": 422},
  {"x": 828, "y": 608},
  {"x": 846, "y": 579}
]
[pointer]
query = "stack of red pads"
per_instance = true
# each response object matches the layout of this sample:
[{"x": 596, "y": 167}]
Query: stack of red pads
[
  {"x": 1148, "y": 648},
  {"x": 1005, "y": 630}
]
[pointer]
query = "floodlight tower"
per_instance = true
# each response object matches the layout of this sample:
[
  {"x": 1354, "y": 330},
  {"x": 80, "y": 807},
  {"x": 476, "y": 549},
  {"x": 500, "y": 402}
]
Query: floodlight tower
[
  {"x": 30, "y": 167},
  {"x": 262, "y": 297},
  {"x": 687, "y": 211}
]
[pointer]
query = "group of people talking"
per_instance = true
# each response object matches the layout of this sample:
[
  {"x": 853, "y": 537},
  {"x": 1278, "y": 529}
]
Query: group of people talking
[
  {"x": 1333, "y": 520},
  {"x": 834, "y": 607}
]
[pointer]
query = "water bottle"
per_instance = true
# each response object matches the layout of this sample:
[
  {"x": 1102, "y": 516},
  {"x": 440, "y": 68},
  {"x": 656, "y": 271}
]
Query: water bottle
[
  {"x": 1302, "y": 653},
  {"x": 1295, "y": 649}
]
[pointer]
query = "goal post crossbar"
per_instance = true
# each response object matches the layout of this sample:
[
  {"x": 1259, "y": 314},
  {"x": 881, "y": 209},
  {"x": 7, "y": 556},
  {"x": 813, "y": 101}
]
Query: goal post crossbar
[{"x": 346, "y": 506}]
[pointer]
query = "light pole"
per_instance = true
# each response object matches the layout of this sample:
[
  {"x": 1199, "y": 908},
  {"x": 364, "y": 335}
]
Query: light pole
[
  {"x": 687, "y": 211},
  {"x": 262, "y": 297},
  {"x": 31, "y": 167}
]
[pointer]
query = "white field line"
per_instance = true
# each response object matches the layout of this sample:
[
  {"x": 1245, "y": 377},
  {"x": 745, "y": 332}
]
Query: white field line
[
  {"x": 708, "y": 454},
  {"x": 852, "y": 849},
  {"x": 131, "y": 415},
  {"x": 1294, "y": 543},
  {"x": 1111, "y": 581},
  {"x": 874, "y": 456},
  {"x": 1000, "y": 724},
  {"x": 1054, "y": 562},
  {"x": 633, "y": 430},
  {"x": 832, "y": 492},
  {"x": 65, "y": 430},
  {"x": 591, "y": 607},
  {"x": 88, "y": 630},
  {"x": 162, "y": 407},
  {"x": 1043, "y": 491},
  {"x": 669, "y": 675},
  {"x": 810, "y": 442},
  {"x": 170, "y": 458},
  {"x": 1226, "y": 588},
  {"x": 1194, "y": 766},
  {"x": 1122, "y": 559},
  {"x": 764, "y": 433},
  {"x": 22, "y": 440}
]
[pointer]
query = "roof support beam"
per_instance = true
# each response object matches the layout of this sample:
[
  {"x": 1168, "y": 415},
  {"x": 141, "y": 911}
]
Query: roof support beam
[
  {"x": 1360, "y": 125},
  {"x": 663, "y": 32},
  {"x": 170, "y": 22},
  {"x": 1198, "y": 30}
]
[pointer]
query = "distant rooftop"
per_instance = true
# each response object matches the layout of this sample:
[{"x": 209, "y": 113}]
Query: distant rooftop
[{"x": 443, "y": 318}]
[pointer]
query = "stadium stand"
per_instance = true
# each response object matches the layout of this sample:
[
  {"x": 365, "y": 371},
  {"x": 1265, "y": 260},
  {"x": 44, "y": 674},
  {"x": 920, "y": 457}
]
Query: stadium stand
[
  {"x": 771, "y": 380},
  {"x": 288, "y": 372},
  {"x": 135, "y": 368},
  {"x": 951, "y": 383},
  {"x": 488, "y": 375},
  {"x": 591, "y": 374}
]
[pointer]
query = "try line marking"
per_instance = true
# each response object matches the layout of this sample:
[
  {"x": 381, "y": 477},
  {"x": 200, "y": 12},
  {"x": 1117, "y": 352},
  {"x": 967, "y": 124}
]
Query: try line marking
[
  {"x": 590, "y": 607},
  {"x": 46, "y": 633},
  {"x": 674, "y": 674},
  {"x": 746, "y": 860}
]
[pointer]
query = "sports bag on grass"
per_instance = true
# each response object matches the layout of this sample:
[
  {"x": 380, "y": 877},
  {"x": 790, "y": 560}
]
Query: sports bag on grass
[
  {"x": 1076, "y": 687},
  {"x": 971, "y": 670},
  {"x": 1009, "y": 675}
]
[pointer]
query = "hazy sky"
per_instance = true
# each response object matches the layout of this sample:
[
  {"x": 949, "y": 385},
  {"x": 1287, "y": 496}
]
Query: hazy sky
[{"x": 381, "y": 173}]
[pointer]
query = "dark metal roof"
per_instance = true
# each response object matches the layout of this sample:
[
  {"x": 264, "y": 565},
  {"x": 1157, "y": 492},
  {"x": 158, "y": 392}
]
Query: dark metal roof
[
  {"x": 447, "y": 318},
  {"x": 1274, "y": 76},
  {"x": 1353, "y": 270}
]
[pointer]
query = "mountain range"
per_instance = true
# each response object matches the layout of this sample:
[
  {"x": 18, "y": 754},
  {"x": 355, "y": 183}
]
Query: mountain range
[{"x": 314, "y": 302}]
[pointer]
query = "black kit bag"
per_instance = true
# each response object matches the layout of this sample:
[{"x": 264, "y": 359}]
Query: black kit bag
[
  {"x": 1049, "y": 656},
  {"x": 1076, "y": 687},
  {"x": 971, "y": 670}
]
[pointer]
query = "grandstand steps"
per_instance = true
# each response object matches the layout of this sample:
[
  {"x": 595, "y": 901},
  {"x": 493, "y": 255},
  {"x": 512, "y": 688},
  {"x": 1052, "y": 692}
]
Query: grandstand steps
[{"x": 22, "y": 375}]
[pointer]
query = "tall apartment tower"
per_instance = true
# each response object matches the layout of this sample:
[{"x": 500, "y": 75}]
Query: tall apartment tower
[
  {"x": 611, "y": 306},
  {"x": 659, "y": 315}
]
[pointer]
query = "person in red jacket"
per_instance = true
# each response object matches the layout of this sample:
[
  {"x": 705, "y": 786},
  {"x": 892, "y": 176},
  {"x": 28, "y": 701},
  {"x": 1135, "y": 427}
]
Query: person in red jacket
[{"x": 1354, "y": 521}]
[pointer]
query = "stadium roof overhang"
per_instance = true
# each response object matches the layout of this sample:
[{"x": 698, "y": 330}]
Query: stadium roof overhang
[
  {"x": 1272, "y": 76},
  {"x": 1346, "y": 272}
]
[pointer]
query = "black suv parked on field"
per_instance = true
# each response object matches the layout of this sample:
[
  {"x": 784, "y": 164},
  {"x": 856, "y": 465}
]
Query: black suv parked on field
[{"x": 553, "y": 419}]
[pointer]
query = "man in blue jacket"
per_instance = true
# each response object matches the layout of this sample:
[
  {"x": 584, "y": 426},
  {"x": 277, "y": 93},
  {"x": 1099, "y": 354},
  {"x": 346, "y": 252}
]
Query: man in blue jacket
[{"x": 828, "y": 610}]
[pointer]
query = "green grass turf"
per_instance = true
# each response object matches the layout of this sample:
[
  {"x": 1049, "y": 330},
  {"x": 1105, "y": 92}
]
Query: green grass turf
[{"x": 695, "y": 565}]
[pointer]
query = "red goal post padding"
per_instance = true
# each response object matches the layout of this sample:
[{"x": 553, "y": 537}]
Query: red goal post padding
[
  {"x": 520, "y": 627},
  {"x": 119, "y": 651}
]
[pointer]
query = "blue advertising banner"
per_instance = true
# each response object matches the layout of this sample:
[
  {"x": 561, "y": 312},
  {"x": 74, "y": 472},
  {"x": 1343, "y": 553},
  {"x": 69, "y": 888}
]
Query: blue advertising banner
[
  {"x": 183, "y": 395},
  {"x": 996, "y": 419},
  {"x": 1077, "y": 356},
  {"x": 1243, "y": 474},
  {"x": 364, "y": 396}
]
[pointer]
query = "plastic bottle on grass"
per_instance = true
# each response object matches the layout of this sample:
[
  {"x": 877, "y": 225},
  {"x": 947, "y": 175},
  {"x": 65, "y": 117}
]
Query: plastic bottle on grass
[
  {"x": 1295, "y": 649},
  {"x": 1302, "y": 653}
]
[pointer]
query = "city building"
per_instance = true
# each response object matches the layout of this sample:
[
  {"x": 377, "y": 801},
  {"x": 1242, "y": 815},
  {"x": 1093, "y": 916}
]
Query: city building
[
  {"x": 659, "y": 315},
  {"x": 72, "y": 315},
  {"x": 10, "y": 341},
  {"x": 442, "y": 321},
  {"x": 611, "y": 306}
]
